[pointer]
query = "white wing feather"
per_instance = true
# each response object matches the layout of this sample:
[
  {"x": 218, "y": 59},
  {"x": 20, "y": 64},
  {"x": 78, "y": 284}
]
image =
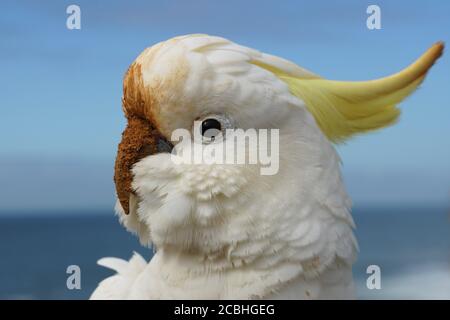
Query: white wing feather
[{"x": 121, "y": 284}]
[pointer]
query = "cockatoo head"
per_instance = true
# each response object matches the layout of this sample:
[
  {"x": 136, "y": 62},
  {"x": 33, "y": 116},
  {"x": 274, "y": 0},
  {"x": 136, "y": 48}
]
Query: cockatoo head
[{"x": 226, "y": 209}]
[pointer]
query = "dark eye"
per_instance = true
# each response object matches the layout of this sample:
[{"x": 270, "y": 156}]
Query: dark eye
[{"x": 211, "y": 128}]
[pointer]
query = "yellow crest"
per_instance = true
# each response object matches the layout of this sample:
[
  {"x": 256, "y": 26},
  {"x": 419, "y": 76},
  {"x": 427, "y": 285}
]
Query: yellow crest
[{"x": 345, "y": 108}]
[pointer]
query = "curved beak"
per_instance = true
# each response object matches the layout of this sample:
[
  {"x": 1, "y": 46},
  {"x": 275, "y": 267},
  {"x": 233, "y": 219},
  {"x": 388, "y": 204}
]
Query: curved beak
[
  {"x": 163, "y": 145},
  {"x": 139, "y": 140}
]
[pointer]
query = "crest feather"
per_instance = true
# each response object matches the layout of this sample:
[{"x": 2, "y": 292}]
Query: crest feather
[{"x": 345, "y": 108}]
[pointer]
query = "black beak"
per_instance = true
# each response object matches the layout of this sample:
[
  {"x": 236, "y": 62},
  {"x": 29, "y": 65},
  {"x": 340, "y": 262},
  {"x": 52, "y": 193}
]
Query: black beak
[
  {"x": 164, "y": 145},
  {"x": 139, "y": 140}
]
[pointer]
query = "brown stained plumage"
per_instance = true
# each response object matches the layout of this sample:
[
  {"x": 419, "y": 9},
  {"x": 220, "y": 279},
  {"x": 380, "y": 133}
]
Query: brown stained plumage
[
  {"x": 136, "y": 101},
  {"x": 142, "y": 103},
  {"x": 140, "y": 136}
]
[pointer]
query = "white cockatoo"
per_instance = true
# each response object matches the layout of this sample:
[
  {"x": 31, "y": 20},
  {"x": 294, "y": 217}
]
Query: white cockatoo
[{"x": 222, "y": 231}]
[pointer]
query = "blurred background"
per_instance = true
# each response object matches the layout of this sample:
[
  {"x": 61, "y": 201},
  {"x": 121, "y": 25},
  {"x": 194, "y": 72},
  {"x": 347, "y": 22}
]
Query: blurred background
[{"x": 61, "y": 121}]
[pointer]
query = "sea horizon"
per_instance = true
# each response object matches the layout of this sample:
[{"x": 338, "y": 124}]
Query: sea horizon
[{"x": 410, "y": 245}]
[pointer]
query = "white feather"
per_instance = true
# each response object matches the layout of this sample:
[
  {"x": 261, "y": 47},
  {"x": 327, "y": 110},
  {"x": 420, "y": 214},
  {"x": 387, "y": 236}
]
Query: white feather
[{"x": 225, "y": 231}]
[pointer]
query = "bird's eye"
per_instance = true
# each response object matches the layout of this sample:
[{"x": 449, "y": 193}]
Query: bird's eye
[{"x": 211, "y": 128}]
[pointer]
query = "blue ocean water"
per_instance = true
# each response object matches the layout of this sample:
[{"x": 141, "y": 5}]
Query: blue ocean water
[{"x": 410, "y": 245}]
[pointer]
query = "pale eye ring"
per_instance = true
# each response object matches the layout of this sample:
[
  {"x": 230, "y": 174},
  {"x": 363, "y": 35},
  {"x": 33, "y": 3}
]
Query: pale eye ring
[{"x": 212, "y": 128}]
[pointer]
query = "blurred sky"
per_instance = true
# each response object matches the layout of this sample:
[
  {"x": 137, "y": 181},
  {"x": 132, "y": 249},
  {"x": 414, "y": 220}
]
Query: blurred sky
[{"x": 61, "y": 118}]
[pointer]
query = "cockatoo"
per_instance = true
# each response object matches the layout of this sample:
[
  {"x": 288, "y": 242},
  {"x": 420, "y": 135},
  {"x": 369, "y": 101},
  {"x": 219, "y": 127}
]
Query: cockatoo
[{"x": 222, "y": 231}]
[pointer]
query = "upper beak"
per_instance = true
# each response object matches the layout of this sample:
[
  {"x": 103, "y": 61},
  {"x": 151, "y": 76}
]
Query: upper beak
[
  {"x": 163, "y": 145},
  {"x": 140, "y": 139}
]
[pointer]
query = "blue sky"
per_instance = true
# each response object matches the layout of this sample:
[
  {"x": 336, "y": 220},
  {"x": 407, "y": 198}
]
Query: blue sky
[{"x": 60, "y": 106}]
